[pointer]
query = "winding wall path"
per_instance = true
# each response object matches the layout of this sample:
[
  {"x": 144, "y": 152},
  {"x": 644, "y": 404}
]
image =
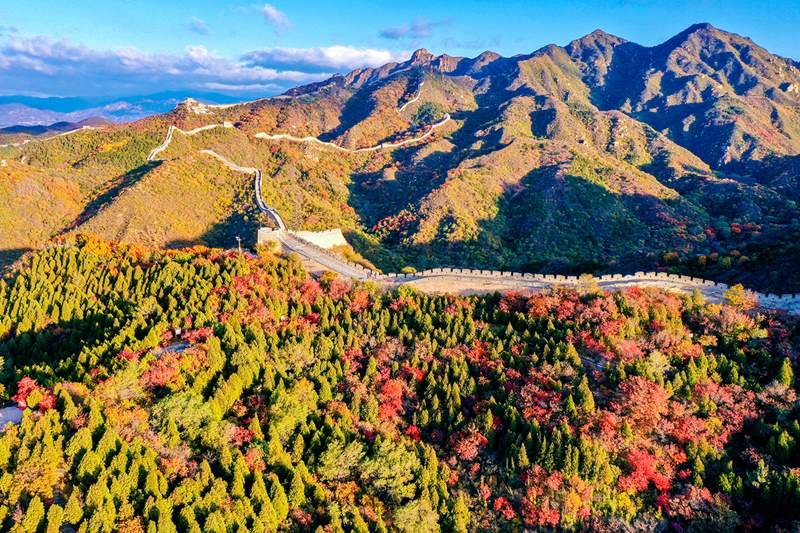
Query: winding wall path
[
  {"x": 326, "y": 144},
  {"x": 469, "y": 281},
  {"x": 464, "y": 281},
  {"x": 419, "y": 93},
  {"x": 152, "y": 156},
  {"x": 262, "y": 206}
]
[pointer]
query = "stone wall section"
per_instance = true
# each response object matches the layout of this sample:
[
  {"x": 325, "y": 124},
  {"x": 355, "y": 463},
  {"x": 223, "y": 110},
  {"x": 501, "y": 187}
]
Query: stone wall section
[
  {"x": 478, "y": 279},
  {"x": 324, "y": 239}
]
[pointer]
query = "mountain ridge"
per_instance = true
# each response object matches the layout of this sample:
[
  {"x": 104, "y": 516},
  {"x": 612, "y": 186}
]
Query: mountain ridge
[
  {"x": 535, "y": 171},
  {"x": 23, "y": 110}
]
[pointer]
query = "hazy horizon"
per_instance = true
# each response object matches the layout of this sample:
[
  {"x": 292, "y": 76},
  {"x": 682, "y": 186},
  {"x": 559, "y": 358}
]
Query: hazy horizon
[{"x": 249, "y": 50}]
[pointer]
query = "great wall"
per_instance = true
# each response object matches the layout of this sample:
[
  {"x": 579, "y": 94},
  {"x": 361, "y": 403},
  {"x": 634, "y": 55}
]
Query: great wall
[
  {"x": 313, "y": 248},
  {"x": 473, "y": 281},
  {"x": 382, "y": 146}
]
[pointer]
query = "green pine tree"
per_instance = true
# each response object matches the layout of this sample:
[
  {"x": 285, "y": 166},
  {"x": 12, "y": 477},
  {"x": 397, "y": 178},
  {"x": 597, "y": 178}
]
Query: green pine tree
[
  {"x": 297, "y": 491},
  {"x": 585, "y": 396},
  {"x": 569, "y": 407},
  {"x": 786, "y": 373},
  {"x": 34, "y": 516},
  {"x": 335, "y": 513},
  {"x": 522, "y": 458},
  {"x": 73, "y": 512},
  {"x": 359, "y": 524},
  {"x": 268, "y": 516},
  {"x": 461, "y": 516},
  {"x": 258, "y": 491},
  {"x": 279, "y": 500},
  {"x": 170, "y": 433},
  {"x": 55, "y": 518},
  {"x": 255, "y": 427},
  {"x": 237, "y": 485}
]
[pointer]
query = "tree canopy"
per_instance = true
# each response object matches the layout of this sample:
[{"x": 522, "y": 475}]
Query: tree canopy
[{"x": 202, "y": 390}]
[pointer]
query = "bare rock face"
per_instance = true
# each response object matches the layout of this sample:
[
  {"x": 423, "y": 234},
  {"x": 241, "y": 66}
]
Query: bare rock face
[
  {"x": 421, "y": 57},
  {"x": 790, "y": 88}
]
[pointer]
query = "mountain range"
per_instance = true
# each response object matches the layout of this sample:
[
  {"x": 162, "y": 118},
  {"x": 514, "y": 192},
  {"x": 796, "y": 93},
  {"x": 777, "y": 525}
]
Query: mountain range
[
  {"x": 21, "y": 110},
  {"x": 599, "y": 156}
]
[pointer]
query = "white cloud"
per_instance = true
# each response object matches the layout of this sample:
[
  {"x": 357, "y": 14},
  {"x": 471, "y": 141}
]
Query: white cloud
[
  {"x": 39, "y": 63},
  {"x": 418, "y": 29},
  {"x": 42, "y": 65},
  {"x": 412, "y": 33},
  {"x": 248, "y": 87},
  {"x": 275, "y": 17},
  {"x": 323, "y": 58},
  {"x": 198, "y": 26}
]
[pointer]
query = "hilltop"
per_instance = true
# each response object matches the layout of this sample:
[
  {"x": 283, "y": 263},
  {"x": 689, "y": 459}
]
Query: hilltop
[{"x": 601, "y": 155}]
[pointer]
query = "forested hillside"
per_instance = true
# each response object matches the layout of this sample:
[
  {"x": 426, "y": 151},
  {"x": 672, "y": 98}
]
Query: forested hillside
[
  {"x": 598, "y": 156},
  {"x": 201, "y": 390}
]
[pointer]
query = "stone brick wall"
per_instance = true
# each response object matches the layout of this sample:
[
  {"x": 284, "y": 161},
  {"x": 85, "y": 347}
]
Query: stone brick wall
[{"x": 319, "y": 251}]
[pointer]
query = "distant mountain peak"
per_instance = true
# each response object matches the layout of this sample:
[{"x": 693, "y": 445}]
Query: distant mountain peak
[
  {"x": 596, "y": 43},
  {"x": 603, "y": 35},
  {"x": 701, "y": 26},
  {"x": 600, "y": 36},
  {"x": 421, "y": 56},
  {"x": 703, "y": 30},
  {"x": 488, "y": 55}
]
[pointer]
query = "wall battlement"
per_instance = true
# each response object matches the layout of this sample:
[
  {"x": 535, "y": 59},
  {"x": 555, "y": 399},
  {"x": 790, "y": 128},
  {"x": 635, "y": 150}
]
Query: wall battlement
[{"x": 508, "y": 280}]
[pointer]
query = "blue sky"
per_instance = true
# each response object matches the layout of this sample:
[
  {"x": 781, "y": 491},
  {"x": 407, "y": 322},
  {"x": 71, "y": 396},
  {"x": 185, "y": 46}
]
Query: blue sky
[{"x": 122, "y": 47}]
